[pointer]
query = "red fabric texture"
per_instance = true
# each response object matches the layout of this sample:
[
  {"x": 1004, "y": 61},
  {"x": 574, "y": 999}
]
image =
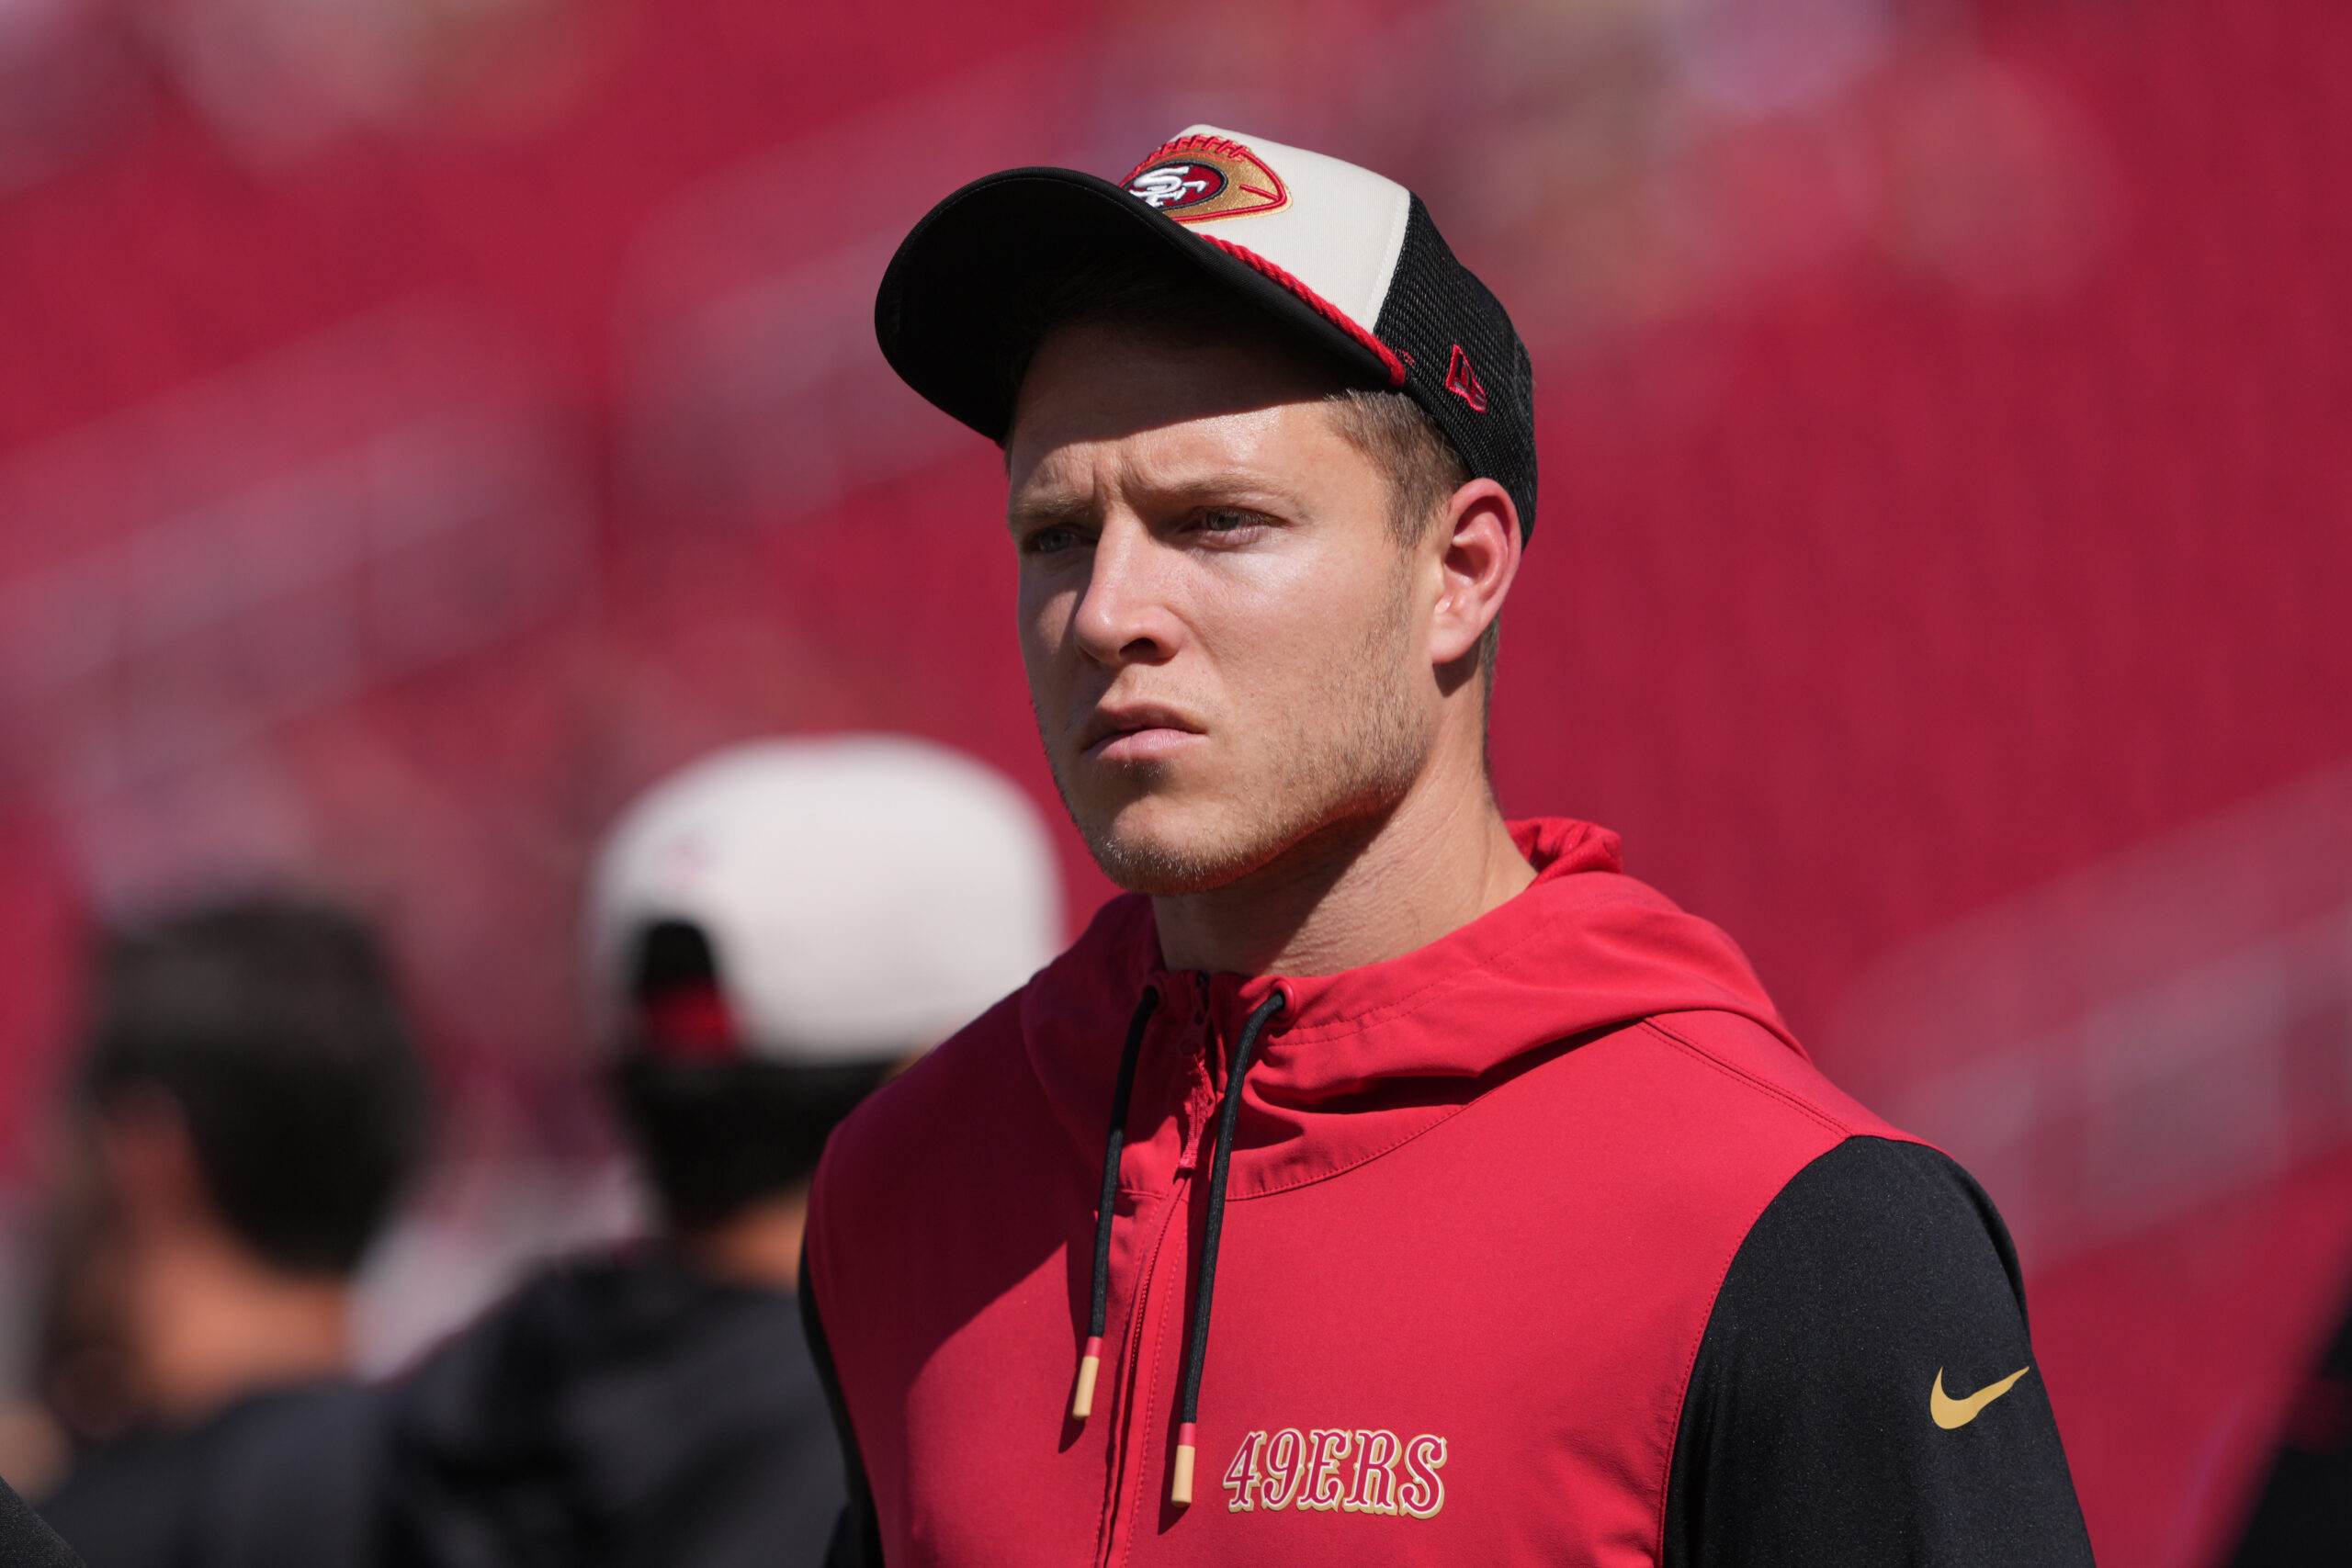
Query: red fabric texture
[{"x": 1482, "y": 1197}]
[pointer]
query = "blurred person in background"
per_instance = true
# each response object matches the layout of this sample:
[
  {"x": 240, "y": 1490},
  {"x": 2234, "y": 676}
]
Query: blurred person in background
[
  {"x": 25, "y": 1542},
  {"x": 772, "y": 931},
  {"x": 247, "y": 1109},
  {"x": 1527, "y": 1231},
  {"x": 2302, "y": 1515}
]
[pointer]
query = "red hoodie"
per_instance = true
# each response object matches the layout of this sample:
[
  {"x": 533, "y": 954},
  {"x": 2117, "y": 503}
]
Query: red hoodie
[{"x": 1481, "y": 1201}]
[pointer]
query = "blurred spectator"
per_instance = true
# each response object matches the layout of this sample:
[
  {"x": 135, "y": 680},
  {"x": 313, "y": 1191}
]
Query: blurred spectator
[
  {"x": 24, "y": 1540},
  {"x": 2302, "y": 1516},
  {"x": 772, "y": 932},
  {"x": 248, "y": 1108}
]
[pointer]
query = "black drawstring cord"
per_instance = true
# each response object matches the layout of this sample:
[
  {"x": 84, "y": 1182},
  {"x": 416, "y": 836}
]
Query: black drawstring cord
[
  {"x": 1196, "y": 1350},
  {"x": 1090, "y": 1363}
]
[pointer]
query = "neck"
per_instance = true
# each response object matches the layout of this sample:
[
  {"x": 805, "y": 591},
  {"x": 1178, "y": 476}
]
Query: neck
[
  {"x": 211, "y": 1323},
  {"x": 758, "y": 1246},
  {"x": 1363, "y": 893}
]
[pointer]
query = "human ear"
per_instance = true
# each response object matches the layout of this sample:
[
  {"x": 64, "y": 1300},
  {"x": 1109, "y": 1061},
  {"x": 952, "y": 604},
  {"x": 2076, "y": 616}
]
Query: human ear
[{"x": 1478, "y": 552}]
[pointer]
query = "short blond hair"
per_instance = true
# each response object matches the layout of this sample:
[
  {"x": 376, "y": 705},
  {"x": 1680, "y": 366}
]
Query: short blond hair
[{"x": 1422, "y": 468}]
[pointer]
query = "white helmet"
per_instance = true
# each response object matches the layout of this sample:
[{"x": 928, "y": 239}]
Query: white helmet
[{"x": 863, "y": 895}]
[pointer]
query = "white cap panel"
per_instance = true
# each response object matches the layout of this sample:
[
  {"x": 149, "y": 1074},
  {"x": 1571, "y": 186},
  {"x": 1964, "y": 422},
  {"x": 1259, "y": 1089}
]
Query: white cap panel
[
  {"x": 1340, "y": 234},
  {"x": 863, "y": 895}
]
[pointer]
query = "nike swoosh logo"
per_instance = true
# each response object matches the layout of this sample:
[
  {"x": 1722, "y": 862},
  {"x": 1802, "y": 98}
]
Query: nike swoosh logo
[{"x": 1950, "y": 1413}]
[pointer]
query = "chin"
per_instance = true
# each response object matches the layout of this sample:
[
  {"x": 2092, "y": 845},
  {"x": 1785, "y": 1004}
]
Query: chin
[
  {"x": 1155, "y": 870},
  {"x": 1150, "y": 847}
]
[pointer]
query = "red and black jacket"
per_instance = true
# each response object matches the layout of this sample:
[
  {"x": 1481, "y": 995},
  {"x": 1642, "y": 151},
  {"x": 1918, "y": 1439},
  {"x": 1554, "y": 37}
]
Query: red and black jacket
[{"x": 1545, "y": 1244}]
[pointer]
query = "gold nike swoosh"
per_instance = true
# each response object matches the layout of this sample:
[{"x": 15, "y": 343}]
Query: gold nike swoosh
[{"x": 1950, "y": 1413}]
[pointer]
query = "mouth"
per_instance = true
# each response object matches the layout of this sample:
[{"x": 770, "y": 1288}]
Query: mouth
[{"x": 1141, "y": 732}]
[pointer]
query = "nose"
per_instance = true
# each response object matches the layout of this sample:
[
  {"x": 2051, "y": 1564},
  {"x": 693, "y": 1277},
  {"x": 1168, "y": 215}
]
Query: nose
[{"x": 1123, "y": 617}]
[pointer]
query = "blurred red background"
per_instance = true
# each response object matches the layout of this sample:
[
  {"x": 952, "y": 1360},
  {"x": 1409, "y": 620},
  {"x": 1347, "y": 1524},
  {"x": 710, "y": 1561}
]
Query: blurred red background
[{"x": 422, "y": 423}]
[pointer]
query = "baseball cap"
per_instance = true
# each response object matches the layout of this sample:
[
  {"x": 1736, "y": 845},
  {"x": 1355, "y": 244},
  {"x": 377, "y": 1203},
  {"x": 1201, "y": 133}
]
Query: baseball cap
[
  {"x": 1347, "y": 257},
  {"x": 861, "y": 897}
]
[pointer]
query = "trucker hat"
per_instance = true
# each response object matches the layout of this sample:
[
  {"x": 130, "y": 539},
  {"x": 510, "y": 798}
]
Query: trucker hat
[
  {"x": 861, "y": 897},
  {"x": 1348, "y": 258}
]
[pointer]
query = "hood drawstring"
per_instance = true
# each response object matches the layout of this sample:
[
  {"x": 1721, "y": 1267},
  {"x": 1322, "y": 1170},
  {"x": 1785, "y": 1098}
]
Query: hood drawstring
[
  {"x": 1090, "y": 1364},
  {"x": 1196, "y": 1350}
]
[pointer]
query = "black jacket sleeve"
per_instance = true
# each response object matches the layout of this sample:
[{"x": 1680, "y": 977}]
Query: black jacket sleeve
[
  {"x": 1865, "y": 1391},
  {"x": 858, "y": 1538}
]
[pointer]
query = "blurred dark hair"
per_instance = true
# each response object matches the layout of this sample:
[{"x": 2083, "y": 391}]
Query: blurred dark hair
[
  {"x": 718, "y": 1135},
  {"x": 274, "y": 1027}
]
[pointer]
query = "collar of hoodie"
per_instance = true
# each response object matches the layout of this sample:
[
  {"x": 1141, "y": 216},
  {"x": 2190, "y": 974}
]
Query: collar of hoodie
[{"x": 1356, "y": 1063}]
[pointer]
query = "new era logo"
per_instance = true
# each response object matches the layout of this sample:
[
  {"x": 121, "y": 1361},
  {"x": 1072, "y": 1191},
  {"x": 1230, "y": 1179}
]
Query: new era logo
[{"x": 1463, "y": 382}]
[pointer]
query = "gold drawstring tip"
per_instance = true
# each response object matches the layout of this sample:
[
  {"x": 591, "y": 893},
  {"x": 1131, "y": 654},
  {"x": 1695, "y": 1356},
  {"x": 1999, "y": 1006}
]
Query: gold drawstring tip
[
  {"x": 1179, "y": 1488},
  {"x": 1081, "y": 1403}
]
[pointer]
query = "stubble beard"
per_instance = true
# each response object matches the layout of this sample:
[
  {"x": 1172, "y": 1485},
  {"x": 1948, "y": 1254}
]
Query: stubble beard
[{"x": 1323, "y": 780}]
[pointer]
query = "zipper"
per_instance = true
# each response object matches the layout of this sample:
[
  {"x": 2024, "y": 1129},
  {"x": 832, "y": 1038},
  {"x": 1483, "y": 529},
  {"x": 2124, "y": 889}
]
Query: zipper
[
  {"x": 1135, "y": 1382},
  {"x": 1135, "y": 1386}
]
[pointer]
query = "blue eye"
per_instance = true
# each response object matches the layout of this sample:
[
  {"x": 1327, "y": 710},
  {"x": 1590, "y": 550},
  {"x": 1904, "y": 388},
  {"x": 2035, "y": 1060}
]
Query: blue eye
[
  {"x": 1050, "y": 541},
  {"x": 1229, "y": 520}
]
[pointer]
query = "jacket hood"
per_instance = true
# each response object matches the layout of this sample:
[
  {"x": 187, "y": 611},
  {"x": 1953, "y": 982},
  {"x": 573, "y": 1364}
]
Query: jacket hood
[{"x": 1358, "y": 1061}]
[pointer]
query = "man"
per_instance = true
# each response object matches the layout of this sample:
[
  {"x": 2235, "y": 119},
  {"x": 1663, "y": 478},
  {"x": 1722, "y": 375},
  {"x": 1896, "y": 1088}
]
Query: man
[
  {"x": 772, "y": 931},
  {"x": 249, "y": 1106},
  {"x": 1381, "y": 1181}
]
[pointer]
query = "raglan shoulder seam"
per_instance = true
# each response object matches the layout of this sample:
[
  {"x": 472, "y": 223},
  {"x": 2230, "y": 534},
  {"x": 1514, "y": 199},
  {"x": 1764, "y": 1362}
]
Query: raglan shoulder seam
[{"x": 1797, "y": 1102}]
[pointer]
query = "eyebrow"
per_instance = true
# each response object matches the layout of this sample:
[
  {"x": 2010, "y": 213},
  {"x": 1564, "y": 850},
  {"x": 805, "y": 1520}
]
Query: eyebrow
[
  {"x": 1227, "y": 488},
  {"x": 1049, "y": 512},
  {"x": 1237, "y": 488}
]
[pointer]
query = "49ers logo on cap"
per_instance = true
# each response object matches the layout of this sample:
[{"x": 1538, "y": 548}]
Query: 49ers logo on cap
[{"x": 1195, "y": 178}]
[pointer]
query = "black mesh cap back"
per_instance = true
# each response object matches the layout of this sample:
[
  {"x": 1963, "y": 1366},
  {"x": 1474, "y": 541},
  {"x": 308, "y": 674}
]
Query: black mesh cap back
[{"x": 1452, "y": 329}]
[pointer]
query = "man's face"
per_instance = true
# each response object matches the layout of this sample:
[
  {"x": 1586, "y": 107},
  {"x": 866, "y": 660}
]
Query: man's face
[{"x": 1225, "y": 642}]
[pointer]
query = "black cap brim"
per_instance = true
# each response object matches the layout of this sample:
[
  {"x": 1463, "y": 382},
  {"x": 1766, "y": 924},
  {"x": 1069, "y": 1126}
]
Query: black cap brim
[{"x": 962, "y": 302}]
